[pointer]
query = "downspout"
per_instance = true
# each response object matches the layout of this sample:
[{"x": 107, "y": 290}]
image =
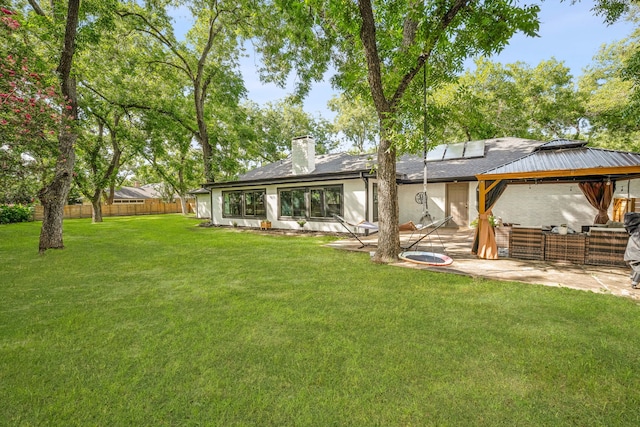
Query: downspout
[
  {"x": 366, "y": 199},
  {"x": 211, "y": 206}
]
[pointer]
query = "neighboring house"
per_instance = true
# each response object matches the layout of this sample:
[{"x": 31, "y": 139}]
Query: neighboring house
[
  {"x": 137, "y": 194},
  {"x": 311, "y": 188},
  {"x": 150, "y": 195}
]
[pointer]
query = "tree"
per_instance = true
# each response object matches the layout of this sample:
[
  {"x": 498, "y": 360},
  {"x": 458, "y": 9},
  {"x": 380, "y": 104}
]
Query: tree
[
  {"x": 99, "y": 160},
  {"x": 497, "y": 100},
  {"x": 111, "y": 133},
  {"x": 613, "y": 106},
  {"x": 608, "y": 107},
  {"x": 30, "y": 115},
  {"x": 395, "y": 41},
  {"x": 53, "y": 195},
  {"x": 273, "y": 126},
  {"x": 356, "y": 121},
  {"x": 207, "y": 61},
  {"x": 169, "y": 158}
]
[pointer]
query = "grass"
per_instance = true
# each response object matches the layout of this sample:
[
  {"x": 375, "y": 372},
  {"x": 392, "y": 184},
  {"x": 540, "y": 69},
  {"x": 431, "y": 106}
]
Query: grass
[{"x": 154, "y": 321}]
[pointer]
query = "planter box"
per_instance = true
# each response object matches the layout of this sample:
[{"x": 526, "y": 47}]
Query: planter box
[
  {"x": 265, "y": 225},
  {"x": 503, "y": 236}
]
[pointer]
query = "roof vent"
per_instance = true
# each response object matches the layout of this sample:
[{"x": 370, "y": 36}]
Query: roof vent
[{"x": 303, "y": 155}]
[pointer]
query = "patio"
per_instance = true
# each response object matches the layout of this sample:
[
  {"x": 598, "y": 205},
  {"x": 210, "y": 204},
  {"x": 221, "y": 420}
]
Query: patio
[{"x": 457, "y": 244}]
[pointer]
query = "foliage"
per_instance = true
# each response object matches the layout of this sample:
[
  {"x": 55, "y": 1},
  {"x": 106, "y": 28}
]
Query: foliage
[
  {"x": 355, "y": 121},
  {"x": 15, "y": 213},
  {"x": 612, "y": 10},
  {"x": 203, "y": 67},
  {"x": 30, "y": 113},
  {"x": 611, "y": 107},
  {"x": 280, "y": 330},
  {"x": 492, "y": 220},
  {"x": 496, "y": 100},
  {"x": 168, "y": 157},
  {"x": 275, "y": 124}
]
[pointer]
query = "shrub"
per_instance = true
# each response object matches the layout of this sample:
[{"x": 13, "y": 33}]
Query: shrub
[{"x": 15, "y": 213}]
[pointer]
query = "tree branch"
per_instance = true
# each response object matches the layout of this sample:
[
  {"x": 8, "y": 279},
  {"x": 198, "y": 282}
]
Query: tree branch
[
  {"x": 430, "y": 45},
  {"x": 170, "y": 64},
  {"x": 368, "y": 37},
  {"x": 36, "y": 8},
  {"x": 133, "y": 105},
  {"x": 157, "y": 34}
]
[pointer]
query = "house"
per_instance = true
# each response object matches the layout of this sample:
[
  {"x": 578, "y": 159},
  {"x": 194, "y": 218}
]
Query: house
[
  {"x": 149, "y": 198},
  {"x": 138, "y": 194},
  {"x": 310, "y": 188}
]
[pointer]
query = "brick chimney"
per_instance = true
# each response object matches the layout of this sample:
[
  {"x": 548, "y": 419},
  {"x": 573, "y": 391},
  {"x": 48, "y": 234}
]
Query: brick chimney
[{"x": 303, "y": 155}]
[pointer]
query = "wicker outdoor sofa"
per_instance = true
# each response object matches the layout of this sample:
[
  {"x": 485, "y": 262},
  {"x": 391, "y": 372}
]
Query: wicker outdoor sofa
[{"x": 599, "y": 245}]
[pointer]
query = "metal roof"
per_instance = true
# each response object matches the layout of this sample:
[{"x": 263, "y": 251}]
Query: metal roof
[
  {"x": 562, "y": 143},
  {"x": 577, "y": 160},
  {"x": 199, "y": 191}
]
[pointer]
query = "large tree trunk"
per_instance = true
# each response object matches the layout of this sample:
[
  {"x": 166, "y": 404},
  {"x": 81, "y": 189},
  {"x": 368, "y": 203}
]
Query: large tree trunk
[
  {"x": 112, "y": 193},
  {"x": 109, "y": 174},
  {"x": 183, "y": 204},
  {"x": 54, "y": 195},
  {"x": 53, "y": 198},
  {"x": 388, "y": 236},
  {"x": 96, "y": 206},
  {"x": 203, "y": 133}
]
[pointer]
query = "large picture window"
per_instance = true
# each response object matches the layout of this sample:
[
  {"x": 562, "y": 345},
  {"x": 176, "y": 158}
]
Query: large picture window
[
  {"x": 247, "y": 203},
  {"x": 293, "y": 203},
  {"x": 311, "y": 202}
]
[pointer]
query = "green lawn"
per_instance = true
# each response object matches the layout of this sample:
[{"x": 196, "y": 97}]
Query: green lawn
[{"x": 153, "y": 321}]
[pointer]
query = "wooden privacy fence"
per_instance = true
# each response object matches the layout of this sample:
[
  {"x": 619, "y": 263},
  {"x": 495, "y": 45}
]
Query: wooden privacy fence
[{"x": 125, "y": 209}]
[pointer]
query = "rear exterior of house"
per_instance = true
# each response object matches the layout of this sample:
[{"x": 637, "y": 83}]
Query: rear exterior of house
[
  {"x": 302, "y": 192},
  {"x": 306, "y": 191}
]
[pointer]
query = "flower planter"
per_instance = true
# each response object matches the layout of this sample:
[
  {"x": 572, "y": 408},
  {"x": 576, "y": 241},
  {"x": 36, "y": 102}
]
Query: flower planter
[{"x": 265, "y": 225}]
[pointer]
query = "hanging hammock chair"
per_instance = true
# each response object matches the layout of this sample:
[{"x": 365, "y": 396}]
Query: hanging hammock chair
[{"x": 426, "y": 258}]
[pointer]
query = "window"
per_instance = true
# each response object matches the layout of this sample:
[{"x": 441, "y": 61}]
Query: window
[
  {"x": 248, "y": 203},
  {"x": 311, "y": 202},
  {"x": 293, "y": 203},
  {"x": 254, "y": 203},
  {"x": 326, "y": 202},
  {"x": 128, "y": 201}
]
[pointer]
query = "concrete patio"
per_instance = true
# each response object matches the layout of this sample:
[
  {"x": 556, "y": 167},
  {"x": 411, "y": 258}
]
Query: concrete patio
[{"x": 457, "y": 243}]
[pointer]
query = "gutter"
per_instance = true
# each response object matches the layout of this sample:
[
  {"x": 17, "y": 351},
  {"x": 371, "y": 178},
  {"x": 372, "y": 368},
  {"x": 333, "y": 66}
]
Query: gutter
[{"x": 292, "y": 179}]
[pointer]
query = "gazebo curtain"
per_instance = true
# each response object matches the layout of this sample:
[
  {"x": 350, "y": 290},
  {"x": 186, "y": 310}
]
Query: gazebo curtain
[
  {"x": 484, "y": 241},
  {"x": 599, "y": 195}
]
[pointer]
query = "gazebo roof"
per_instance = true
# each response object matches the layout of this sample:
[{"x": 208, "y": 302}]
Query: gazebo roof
[{"x": 566, "y": 160}]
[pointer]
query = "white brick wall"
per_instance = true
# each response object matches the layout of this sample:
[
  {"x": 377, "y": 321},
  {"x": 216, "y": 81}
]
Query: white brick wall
[{"x": 553, "y": 204}]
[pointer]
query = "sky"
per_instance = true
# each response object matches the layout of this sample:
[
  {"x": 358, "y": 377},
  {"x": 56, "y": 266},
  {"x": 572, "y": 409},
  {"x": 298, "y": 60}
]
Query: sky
[{"x": 568, "y": 33}]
